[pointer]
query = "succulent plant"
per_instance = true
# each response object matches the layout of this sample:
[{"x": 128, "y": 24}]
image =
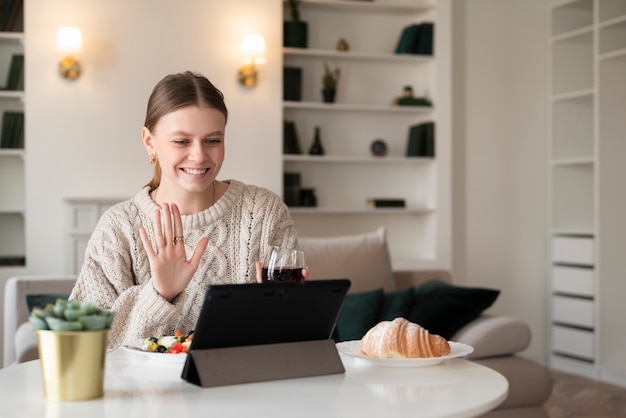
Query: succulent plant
[
  {"x": 66, "y": 315},
  {"x": 292, "y": 8},
  {"x": 331, "y": 77}
]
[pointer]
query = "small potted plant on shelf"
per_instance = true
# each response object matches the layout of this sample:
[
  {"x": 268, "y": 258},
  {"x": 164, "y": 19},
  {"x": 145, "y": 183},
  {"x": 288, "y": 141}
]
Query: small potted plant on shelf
[
  {"x": 329, "y": 83},
  {"x": 72, "y": 341},
  {"x": 294, "y": 30}
]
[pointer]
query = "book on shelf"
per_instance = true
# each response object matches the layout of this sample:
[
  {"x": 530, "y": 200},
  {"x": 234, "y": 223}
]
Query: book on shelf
[
  {"x": 12, "y": 15},
  {"x": 385, "y": 203},
  {"x": 416, "y": 39},
  {"x": 12, "y": 260},
  {"x": 15, "y": 78},
  {"x": 12, "y": 135},
  {"x": 292, "y": 84},
  {"x": 421, "y": 142}
]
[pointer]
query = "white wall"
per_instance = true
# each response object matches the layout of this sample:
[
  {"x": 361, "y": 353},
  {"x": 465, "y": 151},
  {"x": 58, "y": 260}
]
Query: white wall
[
  {"x": 83, "y": 136},
  {"x": 500, "y": 178}
]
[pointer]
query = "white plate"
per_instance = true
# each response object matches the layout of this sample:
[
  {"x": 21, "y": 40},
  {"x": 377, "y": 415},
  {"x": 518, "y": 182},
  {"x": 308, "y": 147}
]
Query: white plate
[
  {"x": 353, "y": 349},
  {"x": 135, "y": 348}
]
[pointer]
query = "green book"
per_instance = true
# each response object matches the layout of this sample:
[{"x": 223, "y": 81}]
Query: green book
[
  {"x": 8, "y": 123},
  {"x": 408, "y": 40},
  {"x": 16, "y": 68},
  {"x": 424, "y": 41},
  {"x": 17, "y": 132},
  {"x": 292, "y": 84},
  {"x": 421, "y": 141}
]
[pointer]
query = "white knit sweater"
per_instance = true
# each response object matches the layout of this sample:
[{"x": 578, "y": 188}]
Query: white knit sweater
[{"x": 241, "y": 226}]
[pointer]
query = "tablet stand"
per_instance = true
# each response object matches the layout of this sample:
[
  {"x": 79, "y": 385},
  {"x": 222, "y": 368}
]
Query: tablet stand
[{"x": 257, "y": 363}]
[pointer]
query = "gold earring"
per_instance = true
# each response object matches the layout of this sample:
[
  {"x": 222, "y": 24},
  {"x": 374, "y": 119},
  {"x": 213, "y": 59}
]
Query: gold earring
[{"x": 152, "y": 159}]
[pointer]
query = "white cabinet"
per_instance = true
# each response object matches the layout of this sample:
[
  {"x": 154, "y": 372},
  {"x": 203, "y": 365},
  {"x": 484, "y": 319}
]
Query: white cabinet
[
  {"x": 12, "y": 161},
  {"x": 372, "y": 76},
  {"x": 587, "y": 170}
]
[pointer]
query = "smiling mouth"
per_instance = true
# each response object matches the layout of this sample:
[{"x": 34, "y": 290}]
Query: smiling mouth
[{"x": 195, "y": 170}]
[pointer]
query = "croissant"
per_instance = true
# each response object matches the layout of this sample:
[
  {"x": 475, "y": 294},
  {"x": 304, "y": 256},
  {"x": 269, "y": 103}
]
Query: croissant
[{"x": 402, "y": 339}]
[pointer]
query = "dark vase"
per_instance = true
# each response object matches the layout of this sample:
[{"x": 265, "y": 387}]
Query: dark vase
[
  {"x": 328, "y": 95},
  {"x": 316, "y": 146},
  {"x": 295, "y": 34}
]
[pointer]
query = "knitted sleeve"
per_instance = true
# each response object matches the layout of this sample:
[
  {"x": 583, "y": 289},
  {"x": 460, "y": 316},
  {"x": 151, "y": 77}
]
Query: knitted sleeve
[
  {"x": 108, "y": 279},
  {"x": 271, "y": 225}
]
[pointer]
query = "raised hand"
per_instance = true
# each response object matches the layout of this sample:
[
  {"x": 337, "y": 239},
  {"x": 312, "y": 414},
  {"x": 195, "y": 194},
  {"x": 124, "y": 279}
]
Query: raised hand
[{"x": 171, "y": 271}]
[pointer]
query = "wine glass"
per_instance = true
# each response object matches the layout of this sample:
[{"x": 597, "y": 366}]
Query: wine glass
[{"x": 283, "y": 265}]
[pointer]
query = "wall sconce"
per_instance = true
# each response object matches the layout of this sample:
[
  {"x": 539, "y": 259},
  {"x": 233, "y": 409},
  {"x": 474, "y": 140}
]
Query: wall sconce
[
  {"x": 69, "y": 42},
  {"x": 253, "y": 53}
]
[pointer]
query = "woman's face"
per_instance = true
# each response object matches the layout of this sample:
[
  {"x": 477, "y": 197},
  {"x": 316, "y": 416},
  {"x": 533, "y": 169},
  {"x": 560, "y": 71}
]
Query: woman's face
[{"x": 189, "y": 146}]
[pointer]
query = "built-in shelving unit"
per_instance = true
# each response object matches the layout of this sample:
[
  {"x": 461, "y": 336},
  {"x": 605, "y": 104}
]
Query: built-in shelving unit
[
  {"x": 588, "y": 147},
  {"x": 372, "y": 76},
  {"x": 12, "y": 160}
]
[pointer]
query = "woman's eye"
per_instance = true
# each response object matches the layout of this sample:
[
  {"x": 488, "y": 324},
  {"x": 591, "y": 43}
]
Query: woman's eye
[
  {"x": 180, "y": 141},
  {"x": 214, "y": 141}
]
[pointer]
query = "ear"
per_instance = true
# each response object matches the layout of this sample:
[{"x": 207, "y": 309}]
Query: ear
[{"x": 148, "y": 141}]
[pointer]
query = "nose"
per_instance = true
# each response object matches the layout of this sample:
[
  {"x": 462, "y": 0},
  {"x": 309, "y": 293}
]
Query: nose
[{"x": 197, "y": 152}]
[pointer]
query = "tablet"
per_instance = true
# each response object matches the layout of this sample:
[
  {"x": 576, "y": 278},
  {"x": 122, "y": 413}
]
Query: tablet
[{"x": 266, "y": 313}]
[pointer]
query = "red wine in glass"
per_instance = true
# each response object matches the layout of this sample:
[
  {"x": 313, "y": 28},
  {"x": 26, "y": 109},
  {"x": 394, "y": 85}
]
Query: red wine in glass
[{"x": 282, "y": 275}]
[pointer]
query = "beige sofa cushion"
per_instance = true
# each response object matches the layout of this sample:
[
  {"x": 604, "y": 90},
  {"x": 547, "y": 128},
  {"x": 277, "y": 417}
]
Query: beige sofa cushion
[{"x": 362, "y": 258}]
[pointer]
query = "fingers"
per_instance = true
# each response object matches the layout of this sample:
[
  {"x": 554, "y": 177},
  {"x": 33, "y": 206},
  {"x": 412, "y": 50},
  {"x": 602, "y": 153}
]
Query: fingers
[
  {"x": 305, "y": 274},
  {"x": 178, "y": 222},
  {"x": 168, "y": 233},
  {"x": 259, "y": 272},
  {"x": 158, "y": 230},
  {"x": 146, "y": 242}
]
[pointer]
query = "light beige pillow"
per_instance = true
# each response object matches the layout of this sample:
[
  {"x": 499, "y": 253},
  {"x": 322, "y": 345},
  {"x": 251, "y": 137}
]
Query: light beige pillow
[{"x": 362, "y": 258}]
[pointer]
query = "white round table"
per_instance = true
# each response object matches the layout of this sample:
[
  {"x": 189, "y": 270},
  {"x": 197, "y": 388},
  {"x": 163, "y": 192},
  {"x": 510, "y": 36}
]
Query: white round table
[{"x": 137, "y": 386}]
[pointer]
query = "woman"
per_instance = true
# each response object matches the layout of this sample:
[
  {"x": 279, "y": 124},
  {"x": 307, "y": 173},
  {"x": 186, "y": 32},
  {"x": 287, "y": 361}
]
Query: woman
[{"x": 151, "y": 258}]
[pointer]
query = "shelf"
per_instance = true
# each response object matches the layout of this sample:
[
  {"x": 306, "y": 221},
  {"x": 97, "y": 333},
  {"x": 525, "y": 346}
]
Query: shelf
[
  {"x": 11, "y": 36},
  {"x": 13, "y": 94},
  {"x": 9, "y": 152},
  {"x": 611, "y": 9},
  {"x": 371, "y": 6},
  {"x": 358, "y": 107},
  {"x": 614, "y": 55},
  {"x": 12, "y": 211},
  {"x": 612, "y": 36},
  {"x": 572, "y": 128},
  {"x": 359, "y": 211},
  {"x": 573, "y": 95},
  {"x": 355, "y": 55},
  {"x": 571, "y": 15},
  {"x": 572, "y": 60},
  {"x": 564, "y": 162},
  {"x": 573, "y": 230},
  {"x": 356, "y": 160}
]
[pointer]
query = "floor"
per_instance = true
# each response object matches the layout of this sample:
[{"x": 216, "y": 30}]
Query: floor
[{"x": 577, "y": 397}]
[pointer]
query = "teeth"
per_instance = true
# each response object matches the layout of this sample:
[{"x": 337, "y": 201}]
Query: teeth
[{"x": 194, "y": 170}]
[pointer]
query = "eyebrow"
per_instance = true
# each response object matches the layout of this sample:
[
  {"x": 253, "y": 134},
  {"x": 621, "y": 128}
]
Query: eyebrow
[{"x": 183, "y": 133}]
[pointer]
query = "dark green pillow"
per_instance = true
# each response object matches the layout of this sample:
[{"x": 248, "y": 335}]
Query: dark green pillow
[
  {"x": 358, "y": 314},
  {"x": 395, "y": 304},
  {"x": 42, "y": 300},
  {"x": 444, "y": 309}
]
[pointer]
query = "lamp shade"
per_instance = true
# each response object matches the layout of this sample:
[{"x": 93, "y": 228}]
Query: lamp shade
[
  {"x": 253, "y": 48},
  {"x": 69, "y": 40}
]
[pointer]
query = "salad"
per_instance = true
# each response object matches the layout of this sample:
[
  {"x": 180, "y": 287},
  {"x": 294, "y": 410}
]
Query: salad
[{"x": 168, "y": 344}]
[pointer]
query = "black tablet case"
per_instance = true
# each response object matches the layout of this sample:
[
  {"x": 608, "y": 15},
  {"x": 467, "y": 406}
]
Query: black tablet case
[{"x": 259, "y": 332}]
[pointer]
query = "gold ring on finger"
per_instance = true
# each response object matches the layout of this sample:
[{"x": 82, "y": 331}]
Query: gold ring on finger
[{"x": 177, "y": 239}]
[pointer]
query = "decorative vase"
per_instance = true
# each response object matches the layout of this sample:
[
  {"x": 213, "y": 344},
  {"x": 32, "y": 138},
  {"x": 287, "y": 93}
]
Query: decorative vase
[
  {"x": 295, "y": 34},
  {"x": 72, "y": 364},
  {"x": 316, "y": 147},
  {"x": 328, "y": 95}
]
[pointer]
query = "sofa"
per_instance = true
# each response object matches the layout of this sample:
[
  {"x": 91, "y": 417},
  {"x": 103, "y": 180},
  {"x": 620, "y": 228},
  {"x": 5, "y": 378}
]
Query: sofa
[{"x": 498, "y": 341}]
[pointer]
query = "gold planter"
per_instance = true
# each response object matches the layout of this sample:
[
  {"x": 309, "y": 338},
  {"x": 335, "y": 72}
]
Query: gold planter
[{"x": 72, "y": 364}]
